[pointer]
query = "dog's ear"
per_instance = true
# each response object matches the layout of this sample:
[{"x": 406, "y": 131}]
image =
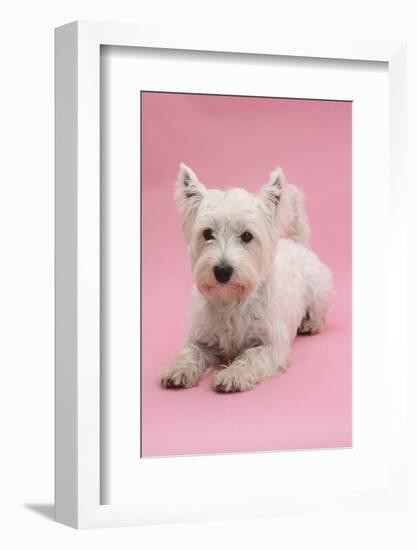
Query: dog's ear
[
  {"x": 189, "y": 193},
  {"x": 283, "y": 203},
  {"x": 271, "y": 192}
]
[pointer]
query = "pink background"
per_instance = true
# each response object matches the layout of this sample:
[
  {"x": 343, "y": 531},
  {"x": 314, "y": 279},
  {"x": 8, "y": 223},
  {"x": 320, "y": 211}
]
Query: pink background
[{"x": 229, "y": 142}]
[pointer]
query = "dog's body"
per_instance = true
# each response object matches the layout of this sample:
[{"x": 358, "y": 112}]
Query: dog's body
[{"x": 256, "y": 282}]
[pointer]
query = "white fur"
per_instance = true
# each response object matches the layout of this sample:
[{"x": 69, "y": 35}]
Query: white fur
[{"x": 278, "y": 285}]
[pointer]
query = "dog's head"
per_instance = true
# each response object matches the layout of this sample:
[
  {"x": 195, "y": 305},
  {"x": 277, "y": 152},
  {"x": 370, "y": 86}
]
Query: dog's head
[{"x": 231, "y": 235}]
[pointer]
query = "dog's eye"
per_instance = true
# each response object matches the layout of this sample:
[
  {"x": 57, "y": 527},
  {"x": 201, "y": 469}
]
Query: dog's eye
[
  {"x": 246, "y": 237},
  {"x": 208, "y": 234}
]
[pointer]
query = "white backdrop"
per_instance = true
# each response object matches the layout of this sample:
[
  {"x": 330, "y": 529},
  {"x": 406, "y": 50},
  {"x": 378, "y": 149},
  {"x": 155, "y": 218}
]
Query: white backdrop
[{"x": 26, "y": 300}]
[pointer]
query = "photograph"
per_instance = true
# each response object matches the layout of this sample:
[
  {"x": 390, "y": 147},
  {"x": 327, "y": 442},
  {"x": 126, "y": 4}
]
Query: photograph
[{"x": 246, "y": 274}]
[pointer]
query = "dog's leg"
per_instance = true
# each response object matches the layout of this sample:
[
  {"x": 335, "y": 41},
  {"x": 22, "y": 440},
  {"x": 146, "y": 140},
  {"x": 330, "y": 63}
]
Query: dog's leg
[
  {"x": 311, "y": 324},
  {"x": 188, "y": 368},
  {"x": 252, "y": 366},
  {"x": 314, "y": 319}
]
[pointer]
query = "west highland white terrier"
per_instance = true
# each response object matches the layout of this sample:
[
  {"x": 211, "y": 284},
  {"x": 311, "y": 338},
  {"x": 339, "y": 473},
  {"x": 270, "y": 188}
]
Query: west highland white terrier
[{"x": 257, "y": 284}]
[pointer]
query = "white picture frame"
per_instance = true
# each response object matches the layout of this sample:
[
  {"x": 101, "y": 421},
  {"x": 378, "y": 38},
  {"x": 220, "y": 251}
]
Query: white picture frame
[{"x": 78, "y": 411}]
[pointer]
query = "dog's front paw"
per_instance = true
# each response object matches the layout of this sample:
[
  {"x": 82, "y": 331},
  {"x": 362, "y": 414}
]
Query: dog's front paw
[
  {"x": 232, "y": 379},
  {"x": 179, "y": 375}
]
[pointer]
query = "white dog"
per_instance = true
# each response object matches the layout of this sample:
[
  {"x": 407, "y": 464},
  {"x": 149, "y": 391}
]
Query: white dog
[{"x": 256, "y": 283}]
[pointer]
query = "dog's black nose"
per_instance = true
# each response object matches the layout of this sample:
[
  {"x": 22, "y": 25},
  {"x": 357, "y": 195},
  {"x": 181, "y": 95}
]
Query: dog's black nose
[{"x": 223, "y": 272}]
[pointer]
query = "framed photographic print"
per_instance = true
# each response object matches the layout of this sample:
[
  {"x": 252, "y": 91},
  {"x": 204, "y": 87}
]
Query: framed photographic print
[{"x": 227, "y": 223}]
